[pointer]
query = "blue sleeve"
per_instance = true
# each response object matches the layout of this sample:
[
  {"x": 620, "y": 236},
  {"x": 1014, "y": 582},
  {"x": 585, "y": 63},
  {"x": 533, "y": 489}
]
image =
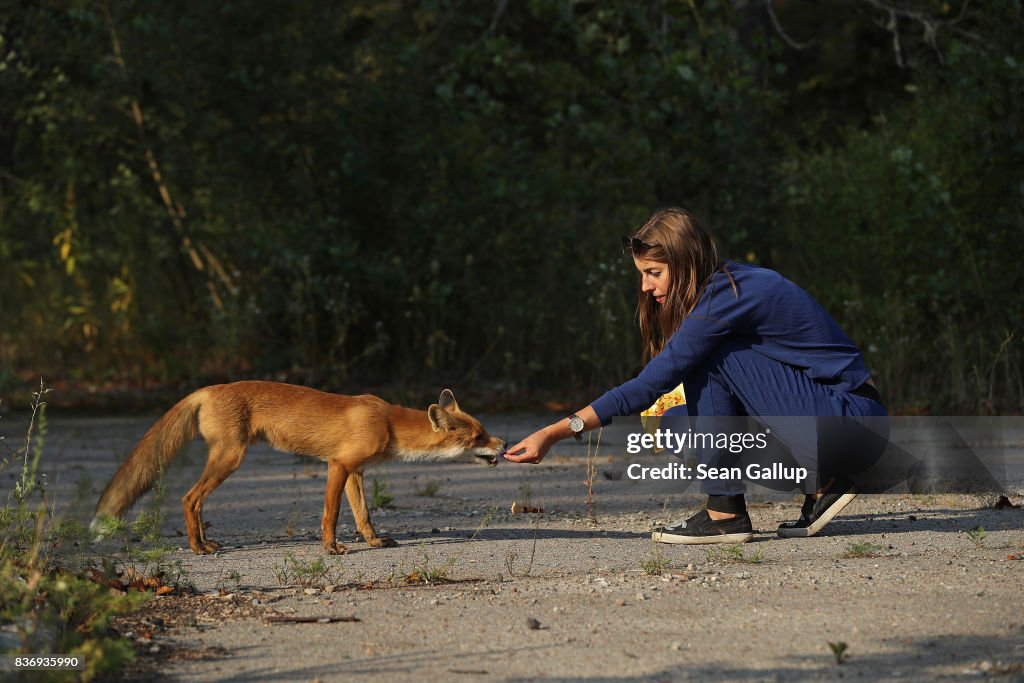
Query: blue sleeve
[{"x": 719, "y": 314}]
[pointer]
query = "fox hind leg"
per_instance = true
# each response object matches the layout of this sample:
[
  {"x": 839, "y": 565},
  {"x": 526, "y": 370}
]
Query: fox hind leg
[
  {"x": 224, "y": 458},
  {"x": 357, "y": 500}
]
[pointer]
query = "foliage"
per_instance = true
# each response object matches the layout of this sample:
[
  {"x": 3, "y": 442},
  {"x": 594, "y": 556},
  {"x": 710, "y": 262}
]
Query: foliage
[
  {"x": 360, "y": 193},
  {"x": 45, "y": 608},
  {"x": 656, "y": 563},
  {"x": 928, "y": 205},
  {"x": 863, "y": 549},
  {"x": 380, "y": 498},
  {"x": 311, "y": 573}
]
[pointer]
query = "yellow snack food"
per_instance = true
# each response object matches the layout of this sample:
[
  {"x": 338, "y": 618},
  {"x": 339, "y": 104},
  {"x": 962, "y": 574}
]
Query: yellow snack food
[{"x": 651, "y": 417}]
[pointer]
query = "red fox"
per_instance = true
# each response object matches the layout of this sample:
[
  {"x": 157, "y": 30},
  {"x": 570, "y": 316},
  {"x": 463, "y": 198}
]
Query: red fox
[{"x": 349, "y": 432}]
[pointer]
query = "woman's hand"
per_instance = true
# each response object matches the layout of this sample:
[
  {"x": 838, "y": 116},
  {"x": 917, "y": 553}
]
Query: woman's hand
[{"x": 532, "y": 449}]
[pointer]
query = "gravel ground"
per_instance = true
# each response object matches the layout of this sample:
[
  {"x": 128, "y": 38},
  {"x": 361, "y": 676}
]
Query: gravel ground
[{"x": 474, "y": 592}]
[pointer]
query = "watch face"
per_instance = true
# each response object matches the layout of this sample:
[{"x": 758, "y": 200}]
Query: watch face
[{"x": 576, "y": 424}]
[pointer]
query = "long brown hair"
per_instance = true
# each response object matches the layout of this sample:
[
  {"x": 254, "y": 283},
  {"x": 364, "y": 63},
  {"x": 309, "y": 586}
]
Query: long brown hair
[{"x": 675, "y": 237}]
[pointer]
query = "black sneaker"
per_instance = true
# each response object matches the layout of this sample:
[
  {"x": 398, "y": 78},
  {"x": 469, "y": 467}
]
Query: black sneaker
[
  {"x": 702, "y": 529},
  {"x": 817, "y": 512}
]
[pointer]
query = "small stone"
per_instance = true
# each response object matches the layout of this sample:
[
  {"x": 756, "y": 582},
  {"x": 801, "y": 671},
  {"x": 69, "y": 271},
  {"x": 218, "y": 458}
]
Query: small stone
[
  {"x": 435, "y": 530},
  {"x": 640, "y": 597},
  {"x": 677, "y": 646},
  {"x": 532, "y": 624},
  {"x": 310, "y": 591}
]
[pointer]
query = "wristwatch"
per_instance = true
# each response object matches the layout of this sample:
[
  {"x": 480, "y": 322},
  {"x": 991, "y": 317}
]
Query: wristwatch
[{"x": 576, "y": 426}]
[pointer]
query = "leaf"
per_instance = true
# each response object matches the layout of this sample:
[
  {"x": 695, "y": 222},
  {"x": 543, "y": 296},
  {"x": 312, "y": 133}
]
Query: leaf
[{"x": 685, "y": 72}]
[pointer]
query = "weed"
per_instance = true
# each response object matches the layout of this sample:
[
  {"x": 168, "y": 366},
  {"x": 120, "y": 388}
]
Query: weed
[
  {"x": 866, "y": 549},
  {"x": 656, "y": 563},
  {"x": 380, "y": 498},
  {"x": 839, "y": 651},
  {"x": 48, "y": 609},
  {"x": 525, "y": 492},
  {"x": 428, "y": 490},
  {"x": 511, "y": 555},
  {"x": 510, "y": 562},
  {"x": 146, "y": 561},
  {"x": 291, "y": 524},
  {"x": 978, "y": 536},
  {"x": 232, "y": 578},
  {"x": 425, "y": 572},
  {"x": 315, "y": 573},
  {"x": 485, "y": 521},
  {"x": 734, "y": 553},
  {"x": 592, "y": 471},
  {"x": 147, "y": 525}
]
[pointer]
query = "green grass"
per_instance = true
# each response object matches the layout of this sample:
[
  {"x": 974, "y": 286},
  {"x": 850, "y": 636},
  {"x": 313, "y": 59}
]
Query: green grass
[
  {"x": 429, "y": 489},
  {"x": 736, "y": 553},
  {"x": 426, "y": 571},
  {"x": 308, "y": 573},
  {"x": 380, "y": 498},
  {"x": 839, "y": 651},
  {"x": 978, "y": 536},
  {"x": 865, "y": 549},
  {"x": 51, "y": 608},
  {"x": 655, "y": 564}
]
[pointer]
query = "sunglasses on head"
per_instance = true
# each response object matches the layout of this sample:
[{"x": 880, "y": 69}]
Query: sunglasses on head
[{"x": 635, "y": 245}]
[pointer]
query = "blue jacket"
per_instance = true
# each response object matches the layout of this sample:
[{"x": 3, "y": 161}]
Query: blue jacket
[{"x": 778, "y": 319}]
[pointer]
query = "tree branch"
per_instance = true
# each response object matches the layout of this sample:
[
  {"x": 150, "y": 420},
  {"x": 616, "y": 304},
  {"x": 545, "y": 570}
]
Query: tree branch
[
  {"x": 769, "y": 5},
  {"x": 930, "y": 25},
  {"x": 175, "y": 210},
  {"x": 502, "y": 5}
]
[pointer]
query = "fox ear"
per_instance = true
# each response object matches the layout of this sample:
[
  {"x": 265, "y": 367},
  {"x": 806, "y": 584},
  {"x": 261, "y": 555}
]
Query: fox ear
[
  {"x": 447, "y": 401},
  {"x": 439, "y": 419}
]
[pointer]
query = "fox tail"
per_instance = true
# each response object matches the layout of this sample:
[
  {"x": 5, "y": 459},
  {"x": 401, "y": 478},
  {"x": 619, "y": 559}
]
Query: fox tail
[{"x": 149, "y": 458}]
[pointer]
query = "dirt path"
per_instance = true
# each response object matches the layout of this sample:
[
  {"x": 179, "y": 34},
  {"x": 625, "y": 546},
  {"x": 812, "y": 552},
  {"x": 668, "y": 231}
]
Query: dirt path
[{"x": 559, "y": 596}]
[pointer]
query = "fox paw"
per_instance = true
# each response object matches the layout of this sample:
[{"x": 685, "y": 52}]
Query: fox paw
[
  {"x": 335, "y": 548},
  {"x": 382, "y": 542},
  {"x": 206, "y": 547}
]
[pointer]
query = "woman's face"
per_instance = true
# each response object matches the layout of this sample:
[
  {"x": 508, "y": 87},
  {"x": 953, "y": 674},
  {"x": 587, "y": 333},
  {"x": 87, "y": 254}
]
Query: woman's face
[{"x": 654, "y": 278}]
